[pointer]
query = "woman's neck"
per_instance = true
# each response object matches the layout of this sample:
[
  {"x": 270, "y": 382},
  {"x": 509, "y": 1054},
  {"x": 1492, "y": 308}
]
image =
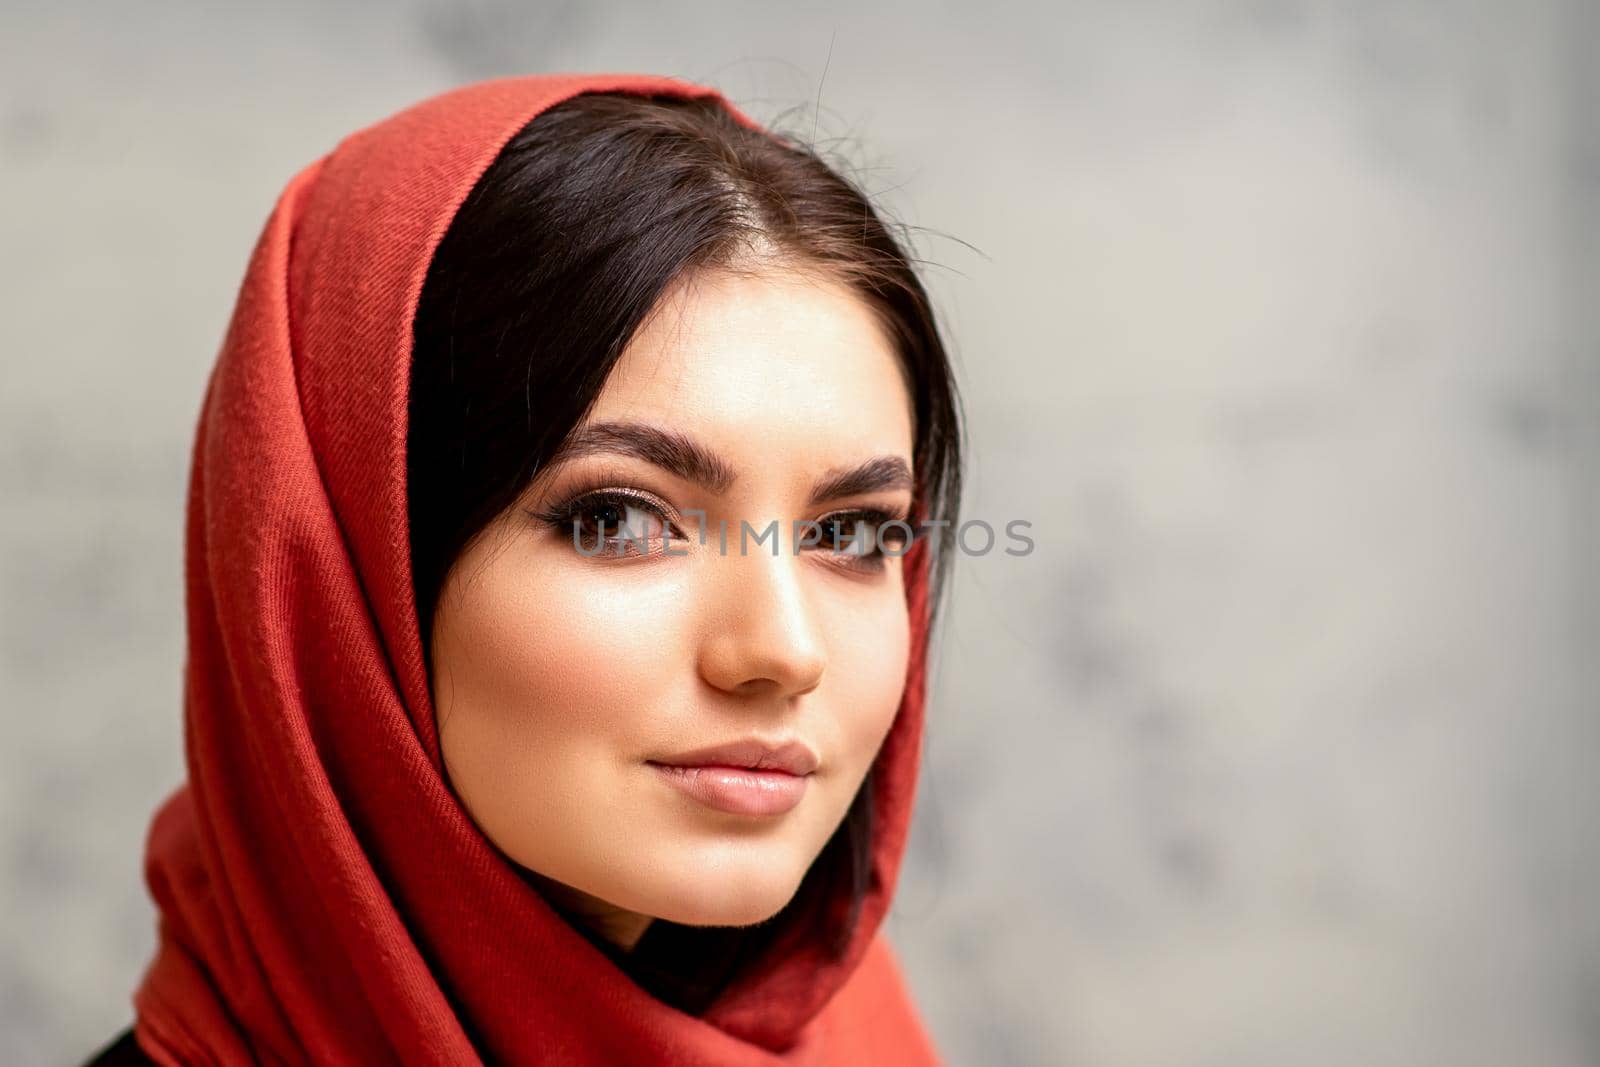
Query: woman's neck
[{"x": 617, "y": 926}]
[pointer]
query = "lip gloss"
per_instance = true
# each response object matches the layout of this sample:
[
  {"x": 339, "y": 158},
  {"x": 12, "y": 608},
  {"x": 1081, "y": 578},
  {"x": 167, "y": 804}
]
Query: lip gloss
[{"x": 737, "y": 790}]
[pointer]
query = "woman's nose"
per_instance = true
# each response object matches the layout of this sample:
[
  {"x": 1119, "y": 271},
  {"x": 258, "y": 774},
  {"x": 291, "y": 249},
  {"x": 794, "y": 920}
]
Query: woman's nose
[{"x": 762, "y": 633}]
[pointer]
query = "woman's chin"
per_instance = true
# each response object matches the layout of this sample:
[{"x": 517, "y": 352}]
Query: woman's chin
[{"x": 720, "y": 896}]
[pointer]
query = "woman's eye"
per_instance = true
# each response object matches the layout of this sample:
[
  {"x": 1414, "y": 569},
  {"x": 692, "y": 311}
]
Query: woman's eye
[
  {"x": 611, "y": 524},
  {"x": 861, "y": 537},
  {"x": 851, "y": 536}
]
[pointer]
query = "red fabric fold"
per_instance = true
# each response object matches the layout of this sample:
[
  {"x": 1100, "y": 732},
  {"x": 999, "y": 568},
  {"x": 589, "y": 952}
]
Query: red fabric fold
[{"x": 323, "y": 897}]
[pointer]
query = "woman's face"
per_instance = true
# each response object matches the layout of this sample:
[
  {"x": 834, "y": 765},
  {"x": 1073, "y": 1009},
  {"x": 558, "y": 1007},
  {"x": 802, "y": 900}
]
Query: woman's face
[{"x": 601, "y": 702}]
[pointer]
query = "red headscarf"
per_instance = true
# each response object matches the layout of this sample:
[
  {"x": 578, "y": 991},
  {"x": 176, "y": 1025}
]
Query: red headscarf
[{"x": 323, "y": 896}]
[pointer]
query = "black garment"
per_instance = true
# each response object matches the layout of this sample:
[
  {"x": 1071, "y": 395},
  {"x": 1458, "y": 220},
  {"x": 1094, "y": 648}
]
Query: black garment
[
  {"x": 123, "y": 1052},
  {"x": 684, "y": 966}
]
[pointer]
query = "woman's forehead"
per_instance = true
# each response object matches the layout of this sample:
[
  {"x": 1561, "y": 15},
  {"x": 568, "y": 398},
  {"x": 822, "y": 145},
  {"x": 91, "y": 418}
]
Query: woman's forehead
[{"x": 760, "y": 359}]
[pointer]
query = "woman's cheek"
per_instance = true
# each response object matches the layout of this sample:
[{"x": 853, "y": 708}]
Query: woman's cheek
[
  {"x": 546, "y": 673},
  {"x": 577, "y": 651},
  {"x": 870, "y": 665}
]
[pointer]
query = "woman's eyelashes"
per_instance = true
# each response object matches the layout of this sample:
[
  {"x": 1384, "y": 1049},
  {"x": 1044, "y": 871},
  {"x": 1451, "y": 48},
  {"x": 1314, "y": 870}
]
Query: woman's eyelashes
[
  {"x": 622, "y": 522},
  {"x": 863, "y": 538},
  {"x": 613, "y": 522}
]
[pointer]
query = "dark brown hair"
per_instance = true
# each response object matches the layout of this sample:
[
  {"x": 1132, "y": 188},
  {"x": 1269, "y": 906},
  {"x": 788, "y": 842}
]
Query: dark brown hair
[{"x": 564, "y": 246}]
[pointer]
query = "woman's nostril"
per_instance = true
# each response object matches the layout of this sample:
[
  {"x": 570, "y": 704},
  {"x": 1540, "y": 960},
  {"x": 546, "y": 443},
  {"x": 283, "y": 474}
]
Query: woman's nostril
[{"x": 737, "y": 665}]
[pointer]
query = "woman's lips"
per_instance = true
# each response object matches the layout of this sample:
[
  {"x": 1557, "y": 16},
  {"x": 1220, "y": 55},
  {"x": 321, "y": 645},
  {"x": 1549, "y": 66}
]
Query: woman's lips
[
  {"x": 748, "y": 777},
  {"x": 738, "y": 790}
]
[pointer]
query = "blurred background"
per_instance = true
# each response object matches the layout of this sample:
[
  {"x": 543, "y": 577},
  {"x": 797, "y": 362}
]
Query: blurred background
[{"x": 1277, "y": 320}]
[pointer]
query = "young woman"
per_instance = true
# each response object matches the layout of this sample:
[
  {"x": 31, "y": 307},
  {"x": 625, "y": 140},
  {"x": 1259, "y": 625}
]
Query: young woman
[{"x": 563, "y": 543}]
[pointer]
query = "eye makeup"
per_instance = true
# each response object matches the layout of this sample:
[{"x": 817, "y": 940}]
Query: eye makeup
[
  {"x": 616, "y": 529},
  {"x": 853, "y": 537},
  {"x": 614, "y": 521}
]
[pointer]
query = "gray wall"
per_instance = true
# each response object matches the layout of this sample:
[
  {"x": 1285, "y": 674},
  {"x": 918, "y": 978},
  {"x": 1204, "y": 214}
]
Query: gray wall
[{"x": 1274, "y": 318}]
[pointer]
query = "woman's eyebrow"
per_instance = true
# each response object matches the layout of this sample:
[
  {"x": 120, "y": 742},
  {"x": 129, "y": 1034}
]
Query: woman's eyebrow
[
  {"x": 681, "y": 455},
  {"x": 874, "y": 476},
  {"x": 673, "y": 452}
]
